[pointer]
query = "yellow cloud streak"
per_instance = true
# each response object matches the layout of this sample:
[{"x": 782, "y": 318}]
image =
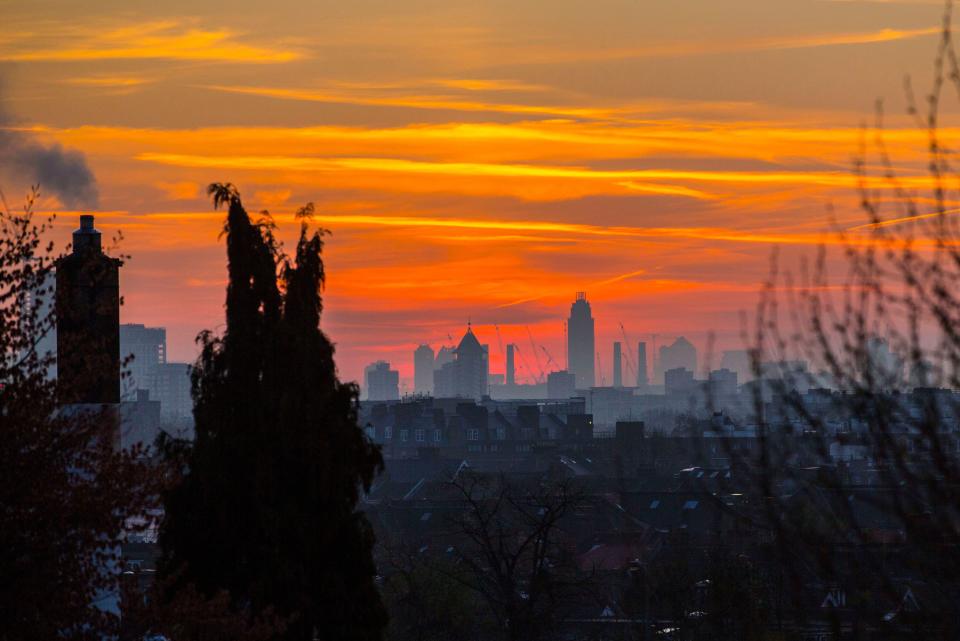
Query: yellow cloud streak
[
  {"x": 149, "y": 42},
  {"x": 417, "y": 102},
  {"x": 549, "y": 139},
  {"x": 708, "y": 47},
  {"x": 106, "y": 81},
  {"x": 469, "y": 84},
  {"x": 890, "y": 222},
  {"x": 398, "y": 165},
  {"x": 694, "y": 233}
]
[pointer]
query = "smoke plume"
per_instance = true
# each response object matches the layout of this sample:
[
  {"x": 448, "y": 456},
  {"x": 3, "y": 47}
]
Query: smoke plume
[{"x": 61, "y": 172}]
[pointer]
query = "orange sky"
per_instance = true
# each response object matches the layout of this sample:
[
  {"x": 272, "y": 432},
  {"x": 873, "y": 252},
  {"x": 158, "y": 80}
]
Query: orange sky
[{"x": 473, "y": 160}]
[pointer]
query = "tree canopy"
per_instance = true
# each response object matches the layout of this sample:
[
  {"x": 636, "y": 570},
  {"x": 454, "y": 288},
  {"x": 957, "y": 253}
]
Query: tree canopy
[{"x": 267, "y": 506}]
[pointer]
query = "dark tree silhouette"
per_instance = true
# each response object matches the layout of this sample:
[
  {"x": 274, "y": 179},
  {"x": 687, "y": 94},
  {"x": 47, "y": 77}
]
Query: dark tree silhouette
[
  {"x": 65, "y": 492},
  {"x": 513, "y": 555},
  {"x": 869, "y": 546},
  {"x": 266, "y": 509}
]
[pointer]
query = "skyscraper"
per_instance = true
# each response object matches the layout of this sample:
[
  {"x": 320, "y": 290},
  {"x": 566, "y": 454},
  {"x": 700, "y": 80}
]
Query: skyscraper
[
  {"x": 642, "y": 380},
  {"x": 471, "y": 368},
  {"x": 148, "y": 348},
  {"x": 380, "y": 382},
  {"x": 511, "y": 368},
  {"x": 423, "y": 370},
  {"x": 580, "y": 343},
  {"x": 617, "y": 365}
]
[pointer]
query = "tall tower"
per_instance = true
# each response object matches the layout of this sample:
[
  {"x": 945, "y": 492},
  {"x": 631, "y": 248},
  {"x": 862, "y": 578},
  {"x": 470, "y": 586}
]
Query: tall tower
[
  {"x": 471, "y": 367},
  {"x": 423, "y": 370},
  {"x": 88, "y": 324},
  {"x": 617, "y": 365},
  {"x": 148, "y": 347},
  {"x": 642, "y": 380},
  {"x": 580, "y": 343},
  {"x": 511, "y": 375}
]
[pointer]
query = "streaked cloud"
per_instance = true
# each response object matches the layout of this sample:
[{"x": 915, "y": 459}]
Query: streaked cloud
[
  {"x": 160, "y": 40},
  {"x": 406, "y": 166},
  {"x": 535, "y": 54},
  {"x": 444, "y": 103},
  {"x": 107, "y": 81}
]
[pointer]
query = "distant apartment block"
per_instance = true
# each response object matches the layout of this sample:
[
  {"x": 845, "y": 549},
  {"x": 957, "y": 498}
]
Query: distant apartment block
[{"x": 380, "y": 382}]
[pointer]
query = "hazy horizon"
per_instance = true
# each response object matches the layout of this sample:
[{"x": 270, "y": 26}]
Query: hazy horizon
[{"x": 474, "y": 163}]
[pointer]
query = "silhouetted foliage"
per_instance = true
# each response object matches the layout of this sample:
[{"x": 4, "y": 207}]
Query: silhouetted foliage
[
  {"x": 513, "y": 553},
  {"x": 267, "y": 506},
  {"x": 66, "y": 493},
  {"x": 869, "y": 541}
]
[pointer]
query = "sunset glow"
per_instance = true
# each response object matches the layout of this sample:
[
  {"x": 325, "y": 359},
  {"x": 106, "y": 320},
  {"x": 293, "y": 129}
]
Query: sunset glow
[{"x": 478, "y": 161}]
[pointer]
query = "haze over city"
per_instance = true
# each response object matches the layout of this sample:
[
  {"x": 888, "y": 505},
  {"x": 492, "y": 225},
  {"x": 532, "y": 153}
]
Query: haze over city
[{"x": 475, "y": 161}]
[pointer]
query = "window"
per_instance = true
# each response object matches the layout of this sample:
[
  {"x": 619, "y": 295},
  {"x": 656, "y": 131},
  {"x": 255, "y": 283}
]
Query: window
[
  {"x": 419, "y": 436},
  {"x": 436, "y": 436},
  {"x": 426, "y": 516},
  {"x": 388, "y": 433},
  {"x": 691, "y": 505},
  {"x": 403, "y": 435},
  {"x": 501, "y": 433},
  {"x": 371, "y": 433},
  {"x": 654, "y": 504},
  {"x": 473, "y": 435}
]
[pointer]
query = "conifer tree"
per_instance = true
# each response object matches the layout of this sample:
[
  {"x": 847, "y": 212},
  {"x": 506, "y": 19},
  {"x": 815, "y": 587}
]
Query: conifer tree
[{"x": 267, "y": 507}]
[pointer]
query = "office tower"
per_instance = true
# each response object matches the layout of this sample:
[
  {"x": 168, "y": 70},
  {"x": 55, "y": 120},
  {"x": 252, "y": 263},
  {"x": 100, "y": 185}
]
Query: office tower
[
  {"x": 679, "y": 355},
  {"x": 617, "y": 366},
  {"x": 170, "y": 384},
  {"x": 580, "y": 342},
  {"x": 444, "y": 355},
  {"x": 142, "y": 350},
  {"x": 380, "y": 382},
  {"x": 443, "y": 381},
  {"x": 88, "y": 321},
  {"x": 471, "y": 368},
  {"x": 511, "y": 368},
  {"x": 423, "y": 370},
  {"x": 642, "y": 380}
]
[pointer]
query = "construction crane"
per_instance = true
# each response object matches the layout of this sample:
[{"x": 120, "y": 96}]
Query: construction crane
[
  {"x": 550, "y": 360},
  {"x": 526, "y": 366},
  {"x": 536, "y": 354},
  {"x": 499, "y": 340},
  {"x": 631, "y": 369}
]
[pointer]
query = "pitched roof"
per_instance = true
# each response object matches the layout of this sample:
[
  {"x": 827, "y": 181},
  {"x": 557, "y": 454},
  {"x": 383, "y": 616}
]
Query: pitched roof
[{"x": 469, "y": 342}]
